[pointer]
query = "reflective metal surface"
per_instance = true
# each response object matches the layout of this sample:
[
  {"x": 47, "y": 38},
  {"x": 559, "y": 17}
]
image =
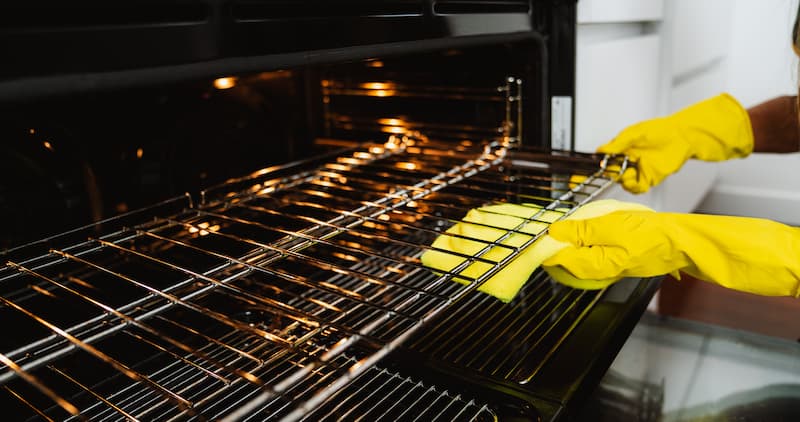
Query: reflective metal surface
[{"x": 315, "y": 273}]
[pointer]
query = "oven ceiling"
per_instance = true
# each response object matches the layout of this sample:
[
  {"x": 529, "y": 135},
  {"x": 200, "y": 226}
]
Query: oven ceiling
[{"x": 88, "y": 45}]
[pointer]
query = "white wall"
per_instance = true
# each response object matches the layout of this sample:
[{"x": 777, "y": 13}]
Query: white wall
[
  {"x": 760, "y": 65},
  {"x": 638, "y": 59}
]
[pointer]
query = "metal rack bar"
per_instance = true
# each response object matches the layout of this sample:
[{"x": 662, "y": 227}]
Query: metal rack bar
[
  {"x": 561, "y": 339},
  {"x": 559, "y": 301},
  {"x": 372, "y": 294},
  {"x": 121, "y": 367},
  {"x": 400, "y": 399},
  {"x": 291, "y": 312},
  {"x": 422, "y": 228},
  {"x": 471, "y": 167},
  {"x": 92, "y": 392},
  {"x": 380, "y": 93},
  {"x": 144, "y": 327},
  {"x": 94, "y": 321},
  {"x": 382, "y": 85},
  {"x": 400, "y": 125},
  {"x": 32, "y": 380},
  {"x": 324, "y": 394},
  {"x": 228, "y": 191},
  {"x": 27, "y": 403},
  {"x": 184, "y": 303},
  {"x": 466, "y": 344},
  {"x": 95, "y": 337}
]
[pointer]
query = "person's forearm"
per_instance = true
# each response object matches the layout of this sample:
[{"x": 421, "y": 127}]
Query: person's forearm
[{"x": 775, "y": 125}]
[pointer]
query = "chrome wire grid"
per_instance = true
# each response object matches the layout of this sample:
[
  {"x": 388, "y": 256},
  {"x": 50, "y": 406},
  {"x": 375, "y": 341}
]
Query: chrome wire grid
[
  {"x": 267, "y": 299},
  {"x": 360, "y": 106},
  {"x": 508, "y": 341}
]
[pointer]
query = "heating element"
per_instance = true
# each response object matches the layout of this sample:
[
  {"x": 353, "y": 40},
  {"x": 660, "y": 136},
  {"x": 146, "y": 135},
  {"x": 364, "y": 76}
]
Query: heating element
[{"x": 269, "y": 297}]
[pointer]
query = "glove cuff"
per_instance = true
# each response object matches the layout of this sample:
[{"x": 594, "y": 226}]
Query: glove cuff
[
  {"x": 716, "y": 129},
  {"x": 742, "y": 127}
]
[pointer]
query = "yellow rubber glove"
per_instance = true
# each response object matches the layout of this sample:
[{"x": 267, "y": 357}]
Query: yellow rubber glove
[
  {"x": 747, "y": 254},
  {"x": 716, "y": 129},
  {"x": 493, "y": 222}
]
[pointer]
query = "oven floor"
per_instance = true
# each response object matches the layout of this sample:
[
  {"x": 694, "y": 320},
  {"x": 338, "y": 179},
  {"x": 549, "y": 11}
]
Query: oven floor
[{"x": 676, "y": 370}]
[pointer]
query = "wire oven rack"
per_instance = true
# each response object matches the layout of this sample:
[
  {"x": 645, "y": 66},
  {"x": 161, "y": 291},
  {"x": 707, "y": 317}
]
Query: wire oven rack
[{"x": 269, "y": 297}]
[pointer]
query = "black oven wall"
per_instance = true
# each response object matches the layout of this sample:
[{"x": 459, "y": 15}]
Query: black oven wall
[
  {"x": 73, "y": 160},
  {"x": 106, "y": 110}
]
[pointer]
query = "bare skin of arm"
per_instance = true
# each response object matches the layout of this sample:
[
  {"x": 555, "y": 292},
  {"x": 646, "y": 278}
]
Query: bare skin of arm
[{"x": 775, "y": 125}]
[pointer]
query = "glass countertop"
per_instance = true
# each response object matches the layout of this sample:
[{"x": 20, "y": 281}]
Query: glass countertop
[{"x": 677, "y": 370}]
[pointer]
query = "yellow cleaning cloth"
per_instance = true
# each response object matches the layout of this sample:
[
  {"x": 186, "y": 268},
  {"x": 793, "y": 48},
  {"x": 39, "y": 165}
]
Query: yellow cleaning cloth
[{"x": 505, "y": 284}]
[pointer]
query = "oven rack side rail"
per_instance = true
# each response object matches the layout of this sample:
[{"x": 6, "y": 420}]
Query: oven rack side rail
[
  {"x": 494, "y": 159},
  {"x": 508, "y": 95},
  {"x": 314, "y": 320},
  {"x": 136, "y": 223}
]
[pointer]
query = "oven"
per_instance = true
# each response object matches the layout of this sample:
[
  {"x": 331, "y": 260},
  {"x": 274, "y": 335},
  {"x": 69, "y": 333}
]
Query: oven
[{"x": 255, "y": 182}]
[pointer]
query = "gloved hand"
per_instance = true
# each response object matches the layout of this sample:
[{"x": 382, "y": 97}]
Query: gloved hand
[
  {"x": 747, "y": 254},
  {"x": 490, "y": 223},
  {"x": 716, "y": 129}
]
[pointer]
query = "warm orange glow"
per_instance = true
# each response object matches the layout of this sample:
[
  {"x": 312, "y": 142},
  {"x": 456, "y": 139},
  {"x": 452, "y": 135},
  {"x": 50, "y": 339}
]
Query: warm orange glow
[
  {"x": 139, "y": 153},
  {"x": 41, "y": 290},
  {"x": 345, "y": 160},
  {"x": 337, "y": 167},
  {"x": 392, "y": 143},
  {"x": 382, "y": 93},
  {"x": 324, "y": 304},
  {"x": 79, "y": 282},
  {"x": 252, "y": 378},
  {"x": 393, "y": 129},
  {"x": 275, "y": 74},
  {"x": 406, "y": 165},
  {"x": 391, "y": 122},
  {"x": 384, "y": 217},
  {"x": 375, "y": 63},
  {"x": 357, "y": 365},
  {"x": 204, "y": 228},
  {"x": 32, "y": 131},
  {"x": 376, "y": 150},
  {"x": 363, "y": 155},
  {"x": 345, "y": 257},
  {"x": 47, "y": 145},
  {"x": 225, "y": 83},
  {"x": 377, "y": 85}
]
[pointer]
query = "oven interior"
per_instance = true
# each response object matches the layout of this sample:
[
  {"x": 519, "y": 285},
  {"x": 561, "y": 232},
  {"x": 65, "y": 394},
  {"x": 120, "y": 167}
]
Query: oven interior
[
  {"x": 287, "y": 283},
  {"x": 71, "y": 160},
  {"x": 298, "y": 293}
]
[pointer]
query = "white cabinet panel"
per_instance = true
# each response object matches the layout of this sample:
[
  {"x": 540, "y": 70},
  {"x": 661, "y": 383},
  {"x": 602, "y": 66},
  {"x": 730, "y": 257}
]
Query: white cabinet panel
[
  {"x": 686, "y": 189},
  {"x": 760, "y": 65},
  {"x": 699, "y": 33},
  {"x": 605, "y": 11},
  {"x": 651, "y": 199},
  {"x": 704, "y": 85},
  {"x": 762, "y": 185},
  {"x": 617, "y": 85}
]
